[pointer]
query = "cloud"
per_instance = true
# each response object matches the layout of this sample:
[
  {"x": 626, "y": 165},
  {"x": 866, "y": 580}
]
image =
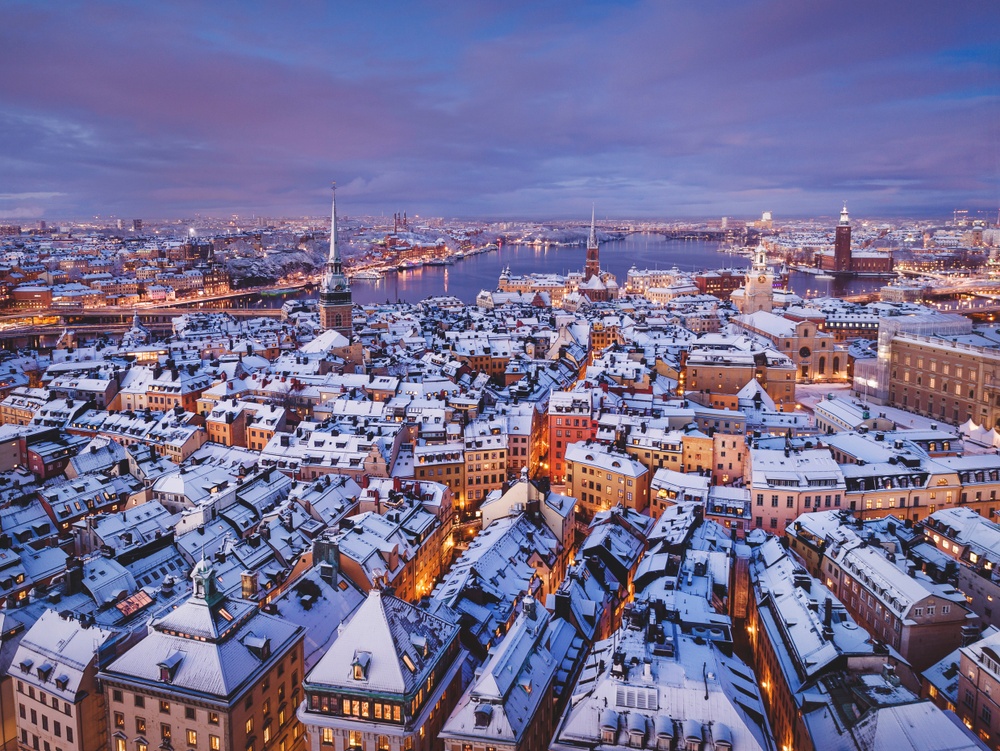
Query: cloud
[
  {"x": 520, "y": 109},
  {"x": 29, "y": 196}
]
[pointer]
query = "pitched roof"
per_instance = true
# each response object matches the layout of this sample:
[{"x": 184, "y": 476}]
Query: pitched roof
[{"x": 386, "y": 636}]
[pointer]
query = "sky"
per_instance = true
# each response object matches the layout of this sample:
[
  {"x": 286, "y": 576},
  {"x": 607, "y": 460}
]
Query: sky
[{"x": 658, "y": 108}]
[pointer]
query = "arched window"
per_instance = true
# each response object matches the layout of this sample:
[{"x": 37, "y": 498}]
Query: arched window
[
  {"x": 836, "y": 364},
  {"x": 822, "y": 365},
  {"x": 338, "y": 320}
]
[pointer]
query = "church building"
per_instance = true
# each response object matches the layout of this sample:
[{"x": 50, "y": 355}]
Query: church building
[
  {"x": 335, "y": 303},
  {"x": 757, "y": 292}
]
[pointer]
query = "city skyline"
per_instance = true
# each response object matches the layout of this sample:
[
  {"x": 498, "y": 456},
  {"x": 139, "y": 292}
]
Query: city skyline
[{"x": 642, "y": 108}]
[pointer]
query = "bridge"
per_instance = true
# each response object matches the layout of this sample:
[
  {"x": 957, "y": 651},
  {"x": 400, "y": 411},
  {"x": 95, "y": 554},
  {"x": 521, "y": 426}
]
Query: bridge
[{"x": 158, "y": 318}]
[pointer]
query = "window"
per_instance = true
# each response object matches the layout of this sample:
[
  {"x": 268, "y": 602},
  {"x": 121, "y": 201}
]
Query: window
[
  {"x": 354, "y": 739},
  {"x": 192, "y": 737},
  {"x": 69, "y": 734},
  {"x": 213, "y": 743},
  {"x": 383, "y": 743},
  {"x": 326, "y": 736},
  {"x": 164, "y": 707},
  {"x": 116, "y": 694},
  {"x": 140, "y": 725},
  {"x": 189, "y": 713},
  {"x": 164, "y": 731},
  {"x": 213, "y": 718},
  {"x": 249, "y": 726},
  {"x": 119, "y": 743},
  {"x": 140, "y": 701},
  {"x": 119, "y": 720}
]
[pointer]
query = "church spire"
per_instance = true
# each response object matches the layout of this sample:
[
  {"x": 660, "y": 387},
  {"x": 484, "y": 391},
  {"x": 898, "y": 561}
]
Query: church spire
[
  {"x": 593, "y": 263},
  {"x": 333, "y": 261},
  {"x": 335, "y": 295},
  {"x": 592, "y": 240}
]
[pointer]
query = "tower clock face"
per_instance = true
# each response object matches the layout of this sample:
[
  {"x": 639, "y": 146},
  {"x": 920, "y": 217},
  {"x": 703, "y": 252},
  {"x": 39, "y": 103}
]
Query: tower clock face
[{"x": 761, "y": 278}]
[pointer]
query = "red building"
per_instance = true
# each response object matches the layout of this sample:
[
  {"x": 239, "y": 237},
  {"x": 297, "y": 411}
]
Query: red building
[
  {"x": 845, "y": 261},
  {"x": 721, "y": 283},
  {"x": 570, "y": 420}
]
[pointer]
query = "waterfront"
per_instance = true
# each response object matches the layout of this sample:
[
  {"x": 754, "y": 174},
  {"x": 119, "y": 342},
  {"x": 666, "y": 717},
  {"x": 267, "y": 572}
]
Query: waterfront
[{"x": 468, "y": 276}]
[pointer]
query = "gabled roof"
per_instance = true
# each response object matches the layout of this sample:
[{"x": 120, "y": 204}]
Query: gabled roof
[{"x": 396, "y": 644}]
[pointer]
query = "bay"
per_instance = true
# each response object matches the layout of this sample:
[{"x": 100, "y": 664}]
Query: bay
[{"x": 467, "y": 277}]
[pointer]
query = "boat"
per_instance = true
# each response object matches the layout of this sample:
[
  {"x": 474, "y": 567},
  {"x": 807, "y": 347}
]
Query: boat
[
  {"x": 409, "y": 265},
  {"x": 438, "y": 262},
  {"x": 372, "y": 276},
  {"x": 828, "y": 277}
]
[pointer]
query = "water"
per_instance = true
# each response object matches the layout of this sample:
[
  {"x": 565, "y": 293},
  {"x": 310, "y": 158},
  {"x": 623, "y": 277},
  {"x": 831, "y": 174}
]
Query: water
[{"x": 466, "y": 278}]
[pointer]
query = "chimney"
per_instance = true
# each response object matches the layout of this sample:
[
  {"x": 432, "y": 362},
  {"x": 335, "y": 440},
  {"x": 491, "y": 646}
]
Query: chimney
[
  {"x": 250, "y": 585},
  {"x": 74, "y": 576},
  {"x": 970, "y": 635},
  {"x": 326, "y": 553},
  {"x": 889, "y": 674},
  {"x": 828, "y": 619},
  {"x": 563, "y": 606},
  {"x": 529, "y": 605}
]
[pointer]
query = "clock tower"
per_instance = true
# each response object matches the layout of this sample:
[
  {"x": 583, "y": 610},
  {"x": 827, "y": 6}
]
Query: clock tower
[{"x": 758, "y": 288}]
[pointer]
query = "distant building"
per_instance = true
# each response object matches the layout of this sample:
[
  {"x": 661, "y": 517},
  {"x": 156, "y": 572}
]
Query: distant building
[
  {"x": 757, "y": 292},
  {"x": 845, "y": 261}
]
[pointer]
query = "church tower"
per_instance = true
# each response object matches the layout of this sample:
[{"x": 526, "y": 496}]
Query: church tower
[
  {"x": 593, "y": 265},
  {"x": 842, "y": 244},
  {"x": 758, "y": 288},
  {"x": 335, "y": 304}
]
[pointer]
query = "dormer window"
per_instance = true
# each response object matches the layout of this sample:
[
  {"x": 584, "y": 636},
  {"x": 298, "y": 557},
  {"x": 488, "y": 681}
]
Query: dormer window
[
  {"x": 26, "y": 665},
  {"x": 362, "y": 661},
  {"x": 483, "y": 715},
  {"x": 420, "y": 642},
  {"x": 168, "y": 667},
  {"x": 259, "y": 646},
  {"x": 45, "y": 670}
]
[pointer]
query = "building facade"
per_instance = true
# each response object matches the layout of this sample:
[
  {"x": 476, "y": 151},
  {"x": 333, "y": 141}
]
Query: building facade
[
  {"x": 387, "y": 683},
  {"x": 215, "y": 674}
]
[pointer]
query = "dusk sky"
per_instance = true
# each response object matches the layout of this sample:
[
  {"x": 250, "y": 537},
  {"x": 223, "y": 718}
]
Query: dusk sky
[{"x": 510, "y": 109}]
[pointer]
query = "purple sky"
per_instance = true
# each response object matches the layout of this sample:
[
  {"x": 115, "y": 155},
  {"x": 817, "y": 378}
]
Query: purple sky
[{"x": 665, "y": 108}]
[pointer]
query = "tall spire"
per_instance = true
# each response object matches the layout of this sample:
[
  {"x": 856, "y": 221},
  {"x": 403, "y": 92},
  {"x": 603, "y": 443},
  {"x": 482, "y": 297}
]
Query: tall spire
[
  {"x": 845, "y": 220},
  {"x": 333, "y": 262},
  {"x": 592, "y": 240}
]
